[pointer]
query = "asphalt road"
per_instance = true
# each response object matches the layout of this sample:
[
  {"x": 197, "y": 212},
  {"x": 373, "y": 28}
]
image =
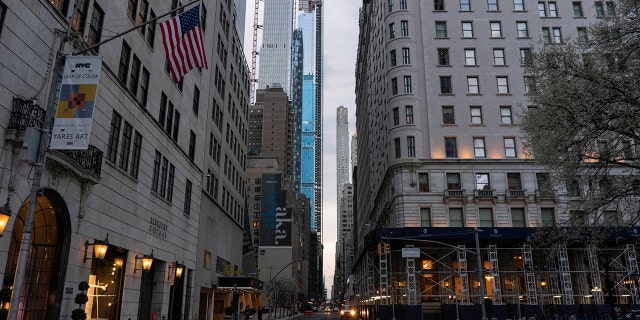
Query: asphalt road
[{"x": 321, "y": 316}]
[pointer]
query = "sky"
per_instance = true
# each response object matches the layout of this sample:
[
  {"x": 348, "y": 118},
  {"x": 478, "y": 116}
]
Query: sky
[{"x": 340, "y": 46}]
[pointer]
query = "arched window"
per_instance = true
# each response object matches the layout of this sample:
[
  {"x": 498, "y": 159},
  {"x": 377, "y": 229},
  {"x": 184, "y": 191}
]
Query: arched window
[{"x": 573, "y": 189}]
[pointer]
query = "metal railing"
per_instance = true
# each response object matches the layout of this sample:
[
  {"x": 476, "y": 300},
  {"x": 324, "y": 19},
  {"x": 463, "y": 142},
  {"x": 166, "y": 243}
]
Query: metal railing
[{"x": 25, "y": 114}]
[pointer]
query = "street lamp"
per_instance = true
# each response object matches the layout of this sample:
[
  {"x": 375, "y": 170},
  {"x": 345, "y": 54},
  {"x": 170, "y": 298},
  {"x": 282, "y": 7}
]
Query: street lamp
[
  {"x": 5, "y": 214},
  {"x": 457, "y": 310},
  {"x": 147, "y": 261},
  {"x": 100, "y": 248},
  {"x": 273, "y": 278}
]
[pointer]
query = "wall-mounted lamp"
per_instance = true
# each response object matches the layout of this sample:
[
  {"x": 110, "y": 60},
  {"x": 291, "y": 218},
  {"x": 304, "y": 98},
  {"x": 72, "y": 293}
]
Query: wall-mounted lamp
[
  {"x": 5, "y": 214},
  {"x": 147, "y": 261},
  {"x": 178, "y": 268},
  {"x": 99, "y": 248},
  {"x": 543, "y": 283}
]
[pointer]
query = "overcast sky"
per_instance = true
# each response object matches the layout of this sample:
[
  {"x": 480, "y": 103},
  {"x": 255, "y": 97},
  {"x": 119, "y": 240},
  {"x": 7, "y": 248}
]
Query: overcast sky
[{"x": 340, "y": 44}]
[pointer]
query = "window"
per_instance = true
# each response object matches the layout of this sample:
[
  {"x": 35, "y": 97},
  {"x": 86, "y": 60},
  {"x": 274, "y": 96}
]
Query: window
[
  {"x": 192, "y": 145},
  {"x": 529, "y": 84},
  {"x": 455, "y": 217},
  {"x": 438, "y": 5},
  {"x": 411, "y": 147},
  {"x": 394, "y": 86},
  {"x": 408, "y": 110},
  {"x": 542, "y": 11},
  {"x": 557, "y": 35},
  {"x": 135, "y": 73},
  {"x": 574, "y": 189},
  {"x": 391, "y": 4},
  {"x": 95, "y": 26},
  {"x": 505, "y": 115},
  {"x": 144, "y": 87},
  {"x": 450, "y": 147},
  {"x": 151, "y": 29},
  {"x": 396, "y": 116},
  {"x": 577, "y": 9},
  {"x": 478, "y": 148},
  {"x": 523, "y": 30},
  {"x": 142, "y": 14},
  {"x": 403, "y": 4},
  {"x": 443, "y": 56},
  {"x": 548, "y": 217},
  {"x": 578, "y": 217},
  {"x": 445, "y": 84},
  {"x": 453, "y": 181},
  {"x": 407, "y": 84},
  {"x": 510, "y": 147},
  {"x": 425, "y": 217},
  {"x": 498, "y": 57},
  {"x": 404, "y": 28},
  {"x": 472, "y": 85},
  {"x": 441, "y": 29},
  {"x": 599, "y": 9},
  {"x": 123, "y": 67},
  {"x": 525, "y": 55},
  {"x": 582, "y": 35},
  {"x": 196, "y": 100},
  {"x": 465, "y": 5},
  {"x": 207, "y": 260},
  {"x": 546, "y": 35},
  {"x": 423, "y": 182},
  {"x": 467, "y": 29},
  {"x": 135, "y": 155},
  {"x": 398, "y": 150},
  {"x": 392, "y": 57},
  {"x": 114, "y": 137},
  {"x": 492, "y": 5},
  {"x": 125, "y": 147},
  {"x": 448, "y": 116},
  {"x": 476, "y": 115},
  {"x": 611, "y": 9},
  {"x": 163, "y": 177},
  {"x": 406, "y": 58},
  {"x": 503, "y": 84},
  {"x": 187, "y": 198},
  {"x": 496, "y": 29},
  {"x": 392, "y": 30},
  {"x": 513, "y": 181},
  {"x": 482, "y": 181},
  {"x": 486, "y": 217},
  {"x": 79, "y": 17},
  {"x": 517, "y": 218},
  {"x": 544, "y": 181},
  {"x": 60, "y": 5},
  {"x": 470, "y": 57},
  {"x": 132, "y": 6},
  {"x": 518, "y": 5},
  {"x": 553, "y": 9}
]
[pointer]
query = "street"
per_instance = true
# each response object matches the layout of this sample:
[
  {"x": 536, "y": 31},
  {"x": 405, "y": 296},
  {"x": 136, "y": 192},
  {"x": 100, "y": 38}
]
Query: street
[{"x": 321, "y": 315}]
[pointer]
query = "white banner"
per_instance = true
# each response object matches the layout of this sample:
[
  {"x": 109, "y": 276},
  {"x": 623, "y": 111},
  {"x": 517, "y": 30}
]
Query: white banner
[{"x": 72, "y": 126}]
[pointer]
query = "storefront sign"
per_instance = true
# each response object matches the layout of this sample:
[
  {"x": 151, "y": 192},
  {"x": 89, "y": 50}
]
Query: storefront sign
[{"x": 158, "y": 228}]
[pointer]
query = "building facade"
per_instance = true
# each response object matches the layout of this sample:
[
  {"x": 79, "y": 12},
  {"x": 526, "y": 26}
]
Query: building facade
[
  {"x": 165, "y": 164},
  {"x": 440, "y": 88}
]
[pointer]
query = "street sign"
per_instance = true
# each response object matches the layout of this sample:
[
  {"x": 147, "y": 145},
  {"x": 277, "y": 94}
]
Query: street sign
[{"x": 411, "y": 252}]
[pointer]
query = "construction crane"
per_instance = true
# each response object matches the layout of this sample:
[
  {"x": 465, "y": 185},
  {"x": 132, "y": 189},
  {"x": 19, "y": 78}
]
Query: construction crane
[{"x": 254, "y": 50}]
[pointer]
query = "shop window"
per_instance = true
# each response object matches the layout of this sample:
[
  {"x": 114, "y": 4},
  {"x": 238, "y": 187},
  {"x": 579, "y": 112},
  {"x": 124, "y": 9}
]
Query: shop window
[{"x": 106, "y": 281}]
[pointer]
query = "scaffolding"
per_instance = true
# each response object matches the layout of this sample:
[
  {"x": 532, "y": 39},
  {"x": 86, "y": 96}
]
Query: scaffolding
[
  {"x": 495, "y": 274},
  {"x": 463, "y": 275},
  {"x": 529, "y": 275}
]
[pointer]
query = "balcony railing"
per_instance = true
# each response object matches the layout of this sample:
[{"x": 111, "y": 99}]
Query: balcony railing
[
  {"x": 25, "y": 114},
  {"x": 545, "y": 195},
  {"x": 485, "y": 195},
  {"x": 516, "y": 195},
  {"x": 455, "y": 195},
  {"x": 89, "y": 160}
]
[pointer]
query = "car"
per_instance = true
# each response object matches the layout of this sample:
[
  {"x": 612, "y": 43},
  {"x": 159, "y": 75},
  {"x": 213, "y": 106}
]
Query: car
[
  {"x": 335, "y": 309},
  {"x": 327, "y": 309},
  {"x": 347, "y": 312}
]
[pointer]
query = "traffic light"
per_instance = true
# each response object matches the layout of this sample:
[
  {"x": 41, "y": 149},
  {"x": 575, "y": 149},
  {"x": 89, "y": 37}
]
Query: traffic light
[{"x": 383, "y": 248}]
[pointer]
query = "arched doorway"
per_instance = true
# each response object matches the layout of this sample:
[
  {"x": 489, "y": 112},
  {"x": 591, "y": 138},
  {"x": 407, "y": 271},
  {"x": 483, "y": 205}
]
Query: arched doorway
[{"x": 46, "y": 267}]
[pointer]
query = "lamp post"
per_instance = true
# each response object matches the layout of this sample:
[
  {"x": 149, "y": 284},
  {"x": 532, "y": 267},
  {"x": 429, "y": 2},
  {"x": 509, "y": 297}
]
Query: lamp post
[
  {"x": 271, "y": 283},
  {"x": 456, "y": 302},
  {"x": 480, "y": 279}
]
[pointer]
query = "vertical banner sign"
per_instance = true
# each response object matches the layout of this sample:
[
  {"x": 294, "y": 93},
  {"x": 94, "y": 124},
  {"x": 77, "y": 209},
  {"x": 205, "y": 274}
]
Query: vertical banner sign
[
  {"x": 271, "y": 184},
  {"x": 72, "y": 126},
  {"x": 275, "y": 217}
]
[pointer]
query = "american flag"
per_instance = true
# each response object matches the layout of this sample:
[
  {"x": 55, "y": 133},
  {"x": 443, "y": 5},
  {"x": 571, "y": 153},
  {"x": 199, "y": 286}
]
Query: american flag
[{"x": 182, "y": 38}]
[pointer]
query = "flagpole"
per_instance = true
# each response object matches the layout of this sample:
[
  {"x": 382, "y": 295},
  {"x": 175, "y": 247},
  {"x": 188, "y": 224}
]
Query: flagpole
[{"x": 134, "y": 28}]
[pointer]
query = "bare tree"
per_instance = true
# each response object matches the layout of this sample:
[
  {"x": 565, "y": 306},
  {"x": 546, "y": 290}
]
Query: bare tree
[{"x": 584, "y": 121}]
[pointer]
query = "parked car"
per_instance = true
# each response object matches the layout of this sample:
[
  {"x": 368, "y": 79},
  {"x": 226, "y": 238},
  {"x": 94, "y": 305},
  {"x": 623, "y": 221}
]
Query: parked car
[{"x": 347, "y": 312}]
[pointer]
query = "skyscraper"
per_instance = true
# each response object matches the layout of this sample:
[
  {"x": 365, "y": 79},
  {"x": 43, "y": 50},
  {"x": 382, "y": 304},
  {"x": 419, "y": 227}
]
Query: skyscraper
[
  {"x": 275, "y": 53},
  {"x": 342, "y": 148}
]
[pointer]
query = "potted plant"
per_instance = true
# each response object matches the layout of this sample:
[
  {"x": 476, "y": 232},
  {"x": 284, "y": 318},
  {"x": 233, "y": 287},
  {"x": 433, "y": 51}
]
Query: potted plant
[{"x": 81, "y": 298}]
